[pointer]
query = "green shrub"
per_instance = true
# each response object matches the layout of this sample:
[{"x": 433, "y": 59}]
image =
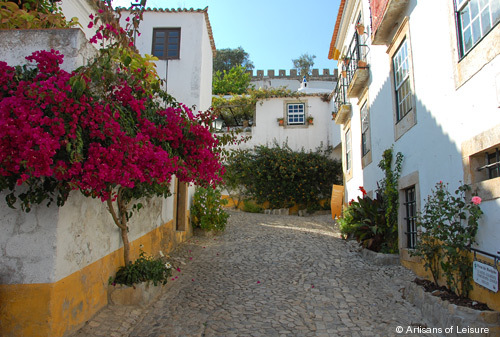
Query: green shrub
[
  {"x": 284, "y": 177},
  {"x": 449, "y": 225},
  {"x": 364, "y": 220},
  {"x": 251, "y": 207},
  {"x": 144, "y": 269},
  {"x": 206, "y": 211}
]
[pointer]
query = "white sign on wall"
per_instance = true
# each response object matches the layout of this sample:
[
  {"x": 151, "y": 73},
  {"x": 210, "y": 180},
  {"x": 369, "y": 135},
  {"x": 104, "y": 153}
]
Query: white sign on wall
[{"x": 485, "y": 275}]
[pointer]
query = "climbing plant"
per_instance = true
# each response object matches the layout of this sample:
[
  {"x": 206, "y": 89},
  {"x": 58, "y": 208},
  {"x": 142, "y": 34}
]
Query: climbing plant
[{"x": 388, "y": 189}]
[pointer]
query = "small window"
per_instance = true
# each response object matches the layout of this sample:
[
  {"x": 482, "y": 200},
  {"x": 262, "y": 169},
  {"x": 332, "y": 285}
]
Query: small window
[
  {"x": 365, "y": 131},
  {"x": 295, "y": 113},
  {"x": 348, "y": 156},
  {"x": 475, "y": 18},
  {"x": 410, "y": 217},
  {"x": 492, "y": 166},
  {"x": 166, "y": 43},
  {"x": 404, "y": 96}
]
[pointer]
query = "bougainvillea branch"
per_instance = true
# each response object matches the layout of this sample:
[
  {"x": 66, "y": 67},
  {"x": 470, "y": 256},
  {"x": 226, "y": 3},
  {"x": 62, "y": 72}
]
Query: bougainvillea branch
[{"x": 106, "y": 129}]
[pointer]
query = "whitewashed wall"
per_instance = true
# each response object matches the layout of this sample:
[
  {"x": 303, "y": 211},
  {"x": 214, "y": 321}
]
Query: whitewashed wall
[
  {"x": 189, "y": 78},
  {"x": 81, "y": 9},
  {"x": 447, "y": 112},
  {"x": 267, "y": 131}
]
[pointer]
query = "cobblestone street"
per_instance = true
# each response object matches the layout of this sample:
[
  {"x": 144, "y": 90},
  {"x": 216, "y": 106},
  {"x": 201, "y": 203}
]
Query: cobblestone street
[{"x": 269, "y": 275}]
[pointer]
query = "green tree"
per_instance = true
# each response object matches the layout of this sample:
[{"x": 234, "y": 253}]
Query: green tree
[
  {"x": 234, "y": 81},
  {"x": 228, "y": 58},
  {"x": 304, "y": 64}
]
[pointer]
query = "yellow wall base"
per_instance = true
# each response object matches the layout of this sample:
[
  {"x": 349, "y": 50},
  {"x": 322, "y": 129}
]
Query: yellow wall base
[
  {"x": 478, "y": 293},
  {"x": 53, "y": 309}
]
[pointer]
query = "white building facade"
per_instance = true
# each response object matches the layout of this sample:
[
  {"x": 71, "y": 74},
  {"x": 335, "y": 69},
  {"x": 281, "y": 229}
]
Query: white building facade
[
  {"x": 428, "y": 84},
  {"x": 182, "y": 40}
]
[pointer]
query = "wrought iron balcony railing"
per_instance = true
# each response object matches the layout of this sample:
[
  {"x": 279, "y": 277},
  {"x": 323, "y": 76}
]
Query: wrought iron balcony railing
[{"x": 354, "y": 65}]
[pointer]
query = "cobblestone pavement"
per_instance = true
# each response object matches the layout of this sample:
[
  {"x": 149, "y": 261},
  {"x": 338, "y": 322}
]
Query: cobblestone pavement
[{"x": 269, "y": 275}]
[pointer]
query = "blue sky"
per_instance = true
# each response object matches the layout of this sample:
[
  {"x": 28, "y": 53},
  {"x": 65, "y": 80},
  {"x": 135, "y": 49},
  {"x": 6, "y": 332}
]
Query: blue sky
[{"x": 273, "y": 32}]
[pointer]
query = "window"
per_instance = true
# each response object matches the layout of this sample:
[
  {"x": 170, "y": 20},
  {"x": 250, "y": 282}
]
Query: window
[
  {"x": 166, "y": 43},
  {"x": 348, "y": 156},
  {"x": 481, "y": 163},
  {"x": 365, "y": 131},
  {"x": 410, "y": 217},
  {"x": 475, "y": 18},
  {"x": 492, "y": 165},
  {"x": 402, "y": 83},
  {"x": 295, "y": 113}
]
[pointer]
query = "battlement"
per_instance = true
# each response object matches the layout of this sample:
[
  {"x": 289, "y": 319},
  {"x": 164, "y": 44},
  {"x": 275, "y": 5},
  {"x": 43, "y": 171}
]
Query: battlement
[{"x": 293, "y": 75}]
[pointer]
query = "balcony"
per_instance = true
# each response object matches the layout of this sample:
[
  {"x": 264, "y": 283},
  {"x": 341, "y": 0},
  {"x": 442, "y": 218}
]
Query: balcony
[
  {"x": 386, "y": 15},
  {"x": 342, "y": 107},
  {"x": 355, "y": 68}
]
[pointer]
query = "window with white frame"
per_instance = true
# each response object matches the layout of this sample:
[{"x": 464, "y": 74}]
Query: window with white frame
[
  {"x": 475, "y": 18},
  {"x": 365, "y": 131},
  {"x": 295, "y": 113},
  {"x": 404, "y": 96},
  {"x": 348, "y": 149}
]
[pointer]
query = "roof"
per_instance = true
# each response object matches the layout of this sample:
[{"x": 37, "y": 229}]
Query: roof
[
  {"x": 333, "y": 52},
  {"x": 186, "y": 10}
]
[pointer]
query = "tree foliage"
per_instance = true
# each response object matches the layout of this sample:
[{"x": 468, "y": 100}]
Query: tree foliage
[
  {"x": 226, "y": 59},
  {"x": 304, "y": 64},
  {"x": 238, "y": 108},
  {"x": 234, "y": 81}
]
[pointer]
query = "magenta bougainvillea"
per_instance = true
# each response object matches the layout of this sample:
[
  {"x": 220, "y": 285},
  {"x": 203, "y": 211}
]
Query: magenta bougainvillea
[{"x": 95, "y": 143}]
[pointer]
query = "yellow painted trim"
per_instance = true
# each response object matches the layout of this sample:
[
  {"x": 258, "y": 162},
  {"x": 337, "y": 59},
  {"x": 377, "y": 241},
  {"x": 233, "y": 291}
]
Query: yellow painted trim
[
  {"x": 53, "y": 309},
  {"x": 478, "y": 293}
]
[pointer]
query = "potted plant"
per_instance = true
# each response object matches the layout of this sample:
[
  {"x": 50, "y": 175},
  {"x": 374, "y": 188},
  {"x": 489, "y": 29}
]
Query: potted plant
[
  {"x": 281, "y": 121},
  {"x": 334, "y": 115},
  {"x": 310, "y": 120},
  {"x": 360, "y": 28}
]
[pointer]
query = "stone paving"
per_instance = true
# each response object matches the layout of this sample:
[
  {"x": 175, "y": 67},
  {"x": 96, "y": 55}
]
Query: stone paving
[{"x": 269, "y": 275}]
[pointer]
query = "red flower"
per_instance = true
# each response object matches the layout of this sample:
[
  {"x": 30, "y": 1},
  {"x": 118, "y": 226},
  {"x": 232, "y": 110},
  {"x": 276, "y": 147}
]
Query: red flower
[{"x": 362, "y": 190}]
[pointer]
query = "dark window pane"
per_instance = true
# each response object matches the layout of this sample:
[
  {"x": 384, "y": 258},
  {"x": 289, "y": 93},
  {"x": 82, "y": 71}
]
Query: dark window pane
[
  {"x": 173, "y": 33},
  {"x": 173, "y": 40},
  {"x": 160, "y": 40},
  {"x": 160, "y": 34},
  {"x": 158, "y": 53}
]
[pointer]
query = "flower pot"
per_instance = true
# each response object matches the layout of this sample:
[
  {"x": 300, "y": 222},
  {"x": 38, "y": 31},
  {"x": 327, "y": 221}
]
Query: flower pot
[
  {"x": 344, "y": 73},
  {"x": 360, "y": 29},
  {"x": 281, "y": 122},
  {"x": 362, "y": 64},
  {"x": 310, "y": 122}
]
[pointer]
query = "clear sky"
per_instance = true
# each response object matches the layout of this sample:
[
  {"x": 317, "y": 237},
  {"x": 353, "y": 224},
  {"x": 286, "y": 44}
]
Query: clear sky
[{"x": 272, "y": 32}]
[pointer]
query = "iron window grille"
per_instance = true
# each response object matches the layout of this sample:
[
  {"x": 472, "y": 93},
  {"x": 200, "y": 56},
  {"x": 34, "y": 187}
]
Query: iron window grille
[
  {"x": 348, "y": 156},
  {"x": 166, "y": 43},
  {"x": 411, "y": 215},
  {"x": 492, "y": 164},
  {"x": 404, "y": 95},
  {"x": 295, "y": 113},
  {"x": 474, "y": 19},
  {"x": 365, "y": 131}
]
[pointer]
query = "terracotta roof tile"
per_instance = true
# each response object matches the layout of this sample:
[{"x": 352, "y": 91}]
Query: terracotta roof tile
[
  {"x": 186, "y": 10},
  {"x": 333, "y": 52}
]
